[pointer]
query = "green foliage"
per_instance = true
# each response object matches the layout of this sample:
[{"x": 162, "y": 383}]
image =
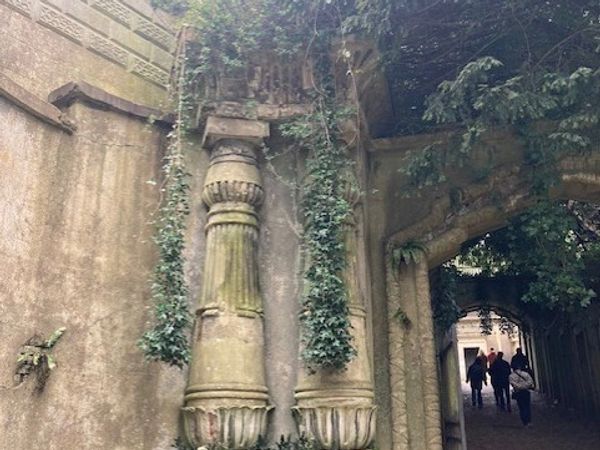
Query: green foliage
[
  {"x": 443, "y": 298},
  {"x": 228, "y": 35},
  {"x": 301, "y": 443},
  {"x": 541, "y": 245},
  {"x": 325, "y": 314},
  {"x": 402, "y": 318},
  {"x": 506, "y": 326},
  {"x": 486, "y": 324},
  {"x": 479, "y": 100},
  {"x": 410, "y": 252},
  {"x": 35, "y": 357},
  {"x": 167, "y": 341},
  {"x": 176, "y": 7},
  {"x": 540, "y": 66},
  {"x": 284, "y": 443},
  {"x": 181, "y": 444},
  {"x": 427, "y": 41}
]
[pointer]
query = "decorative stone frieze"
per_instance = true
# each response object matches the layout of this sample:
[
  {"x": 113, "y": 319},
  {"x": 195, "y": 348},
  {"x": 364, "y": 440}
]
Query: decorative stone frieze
[
  {"x": 120, "y": 33},
  {"x": 335, "y": 408},
  {"x": 226, "y": 401}
]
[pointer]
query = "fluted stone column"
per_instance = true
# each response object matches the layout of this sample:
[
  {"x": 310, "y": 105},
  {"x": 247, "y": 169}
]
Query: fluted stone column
[
  {"x": 335, "y": 408},
  {"x": 226, "y": 401}
]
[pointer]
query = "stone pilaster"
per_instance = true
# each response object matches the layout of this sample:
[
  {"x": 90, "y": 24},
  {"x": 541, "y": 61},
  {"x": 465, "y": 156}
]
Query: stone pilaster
[
  {"x": 226, "y": 401},
  {"x": 415, "y": 401},
  {"x": 335, "y": 408}
]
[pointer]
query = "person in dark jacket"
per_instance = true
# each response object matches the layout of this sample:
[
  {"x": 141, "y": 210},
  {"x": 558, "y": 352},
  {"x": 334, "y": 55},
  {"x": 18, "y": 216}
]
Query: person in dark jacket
[
  {"x": 519, "y": 361},
  {"x": 499, "y": 373},
  {"x": 476, "y": 375}
]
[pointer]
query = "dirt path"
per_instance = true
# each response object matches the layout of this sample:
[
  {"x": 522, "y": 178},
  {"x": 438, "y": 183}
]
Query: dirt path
[{"x": 493, "y": 429}]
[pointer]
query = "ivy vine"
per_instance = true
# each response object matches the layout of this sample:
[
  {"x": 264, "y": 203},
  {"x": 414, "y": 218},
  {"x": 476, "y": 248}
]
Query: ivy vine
[
  {"x": 511, "y": 69},
  {"x": 325, "y": 316},
  {"x": 167, "y": 341},
  {"x": 546, "y": 245},
  {"x": 444, "y": 289},
  {"x": 226, "y": 36}
]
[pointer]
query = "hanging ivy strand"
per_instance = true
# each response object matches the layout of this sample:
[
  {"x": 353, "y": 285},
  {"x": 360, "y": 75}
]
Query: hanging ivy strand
[
  {"x": 325, "y": 315},
  {"x": 167, "y": 341},
  {"x": 327, "y": 341}
]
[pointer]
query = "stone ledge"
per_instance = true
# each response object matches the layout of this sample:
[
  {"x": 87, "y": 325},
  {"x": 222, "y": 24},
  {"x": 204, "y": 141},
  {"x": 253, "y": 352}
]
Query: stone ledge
[
  {"x": 33, "y": 105},
  {"x": 72, "y": 92}
]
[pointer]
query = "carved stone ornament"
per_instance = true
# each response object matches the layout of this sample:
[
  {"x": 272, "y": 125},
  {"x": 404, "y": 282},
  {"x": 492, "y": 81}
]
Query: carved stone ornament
[
  {"x": 234, "y": 427},
  {"x": 338, "y": 427}
]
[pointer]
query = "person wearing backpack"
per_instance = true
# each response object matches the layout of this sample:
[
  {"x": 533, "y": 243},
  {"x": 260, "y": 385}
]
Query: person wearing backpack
[
  {"x": 476, "y": 376},
  {"x": 522, "y": 383}
]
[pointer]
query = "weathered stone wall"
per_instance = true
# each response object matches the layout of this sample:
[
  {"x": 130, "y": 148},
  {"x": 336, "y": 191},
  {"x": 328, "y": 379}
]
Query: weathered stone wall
[
  {"x": 123, "y": 47},
  {"x": 75, "y": 222},
  {"x": 77, "y": 252},
  {"x": 567, "y": 362}
]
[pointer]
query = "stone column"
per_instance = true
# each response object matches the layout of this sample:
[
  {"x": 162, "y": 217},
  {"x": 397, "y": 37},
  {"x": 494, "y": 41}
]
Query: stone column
[
  {"x": 415, "y": 401},
  {"x": 451, "y": 393},
  {"x": 226, "y": 400},
  {"x": 335, "y": 408}
]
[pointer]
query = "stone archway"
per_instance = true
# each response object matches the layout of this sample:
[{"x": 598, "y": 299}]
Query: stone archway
[{"x": 442, "y": 219}]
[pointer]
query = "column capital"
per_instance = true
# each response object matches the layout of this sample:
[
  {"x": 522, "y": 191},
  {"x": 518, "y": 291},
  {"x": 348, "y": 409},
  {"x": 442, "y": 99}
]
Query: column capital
[{"x": 218, "y": 128}]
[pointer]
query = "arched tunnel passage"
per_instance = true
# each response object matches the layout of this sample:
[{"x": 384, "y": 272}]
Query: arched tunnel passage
[
  {"x": 443, "y": 226},
  {"x": 562, "y": 349}
]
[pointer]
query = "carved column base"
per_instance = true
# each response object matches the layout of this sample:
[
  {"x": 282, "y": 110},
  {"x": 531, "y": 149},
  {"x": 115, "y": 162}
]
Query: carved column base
[
  {"x": 335, "y": 408},
  {"x": 233, "y": 427},
  {"x": 338, "y": 427}
]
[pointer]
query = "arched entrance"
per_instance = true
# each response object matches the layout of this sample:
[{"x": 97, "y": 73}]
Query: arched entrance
[{"x": 441, "y": 219}]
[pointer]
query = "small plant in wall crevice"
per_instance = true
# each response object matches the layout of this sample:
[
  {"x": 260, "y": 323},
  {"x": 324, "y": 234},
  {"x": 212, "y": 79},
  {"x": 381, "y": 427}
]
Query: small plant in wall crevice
[
  {"x": 35, "y": 357},
  {"x": 410, "y": 252}
]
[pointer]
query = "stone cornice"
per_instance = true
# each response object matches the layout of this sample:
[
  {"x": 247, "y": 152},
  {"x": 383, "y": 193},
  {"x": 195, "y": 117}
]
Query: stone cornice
[
  {"x": 81, "y": 91},
  {"x": 33, "y": 105}
]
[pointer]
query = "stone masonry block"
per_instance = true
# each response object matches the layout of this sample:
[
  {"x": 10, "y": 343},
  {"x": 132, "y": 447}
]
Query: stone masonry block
[
  {"x": 162, "y": 58},
  {"x": 23, "y": 6},
  {"x": 127, "y": 38},
  {"x": 218, "y": 128},
  {"x": 60, "y": 23},
  {"x": 149, "y": 71},
  {"x": 153, "y": 32},
  {"x": 108, "y": 49},
  {"x": 86, "y": 15},
  {"x": 114, "y": 9}
]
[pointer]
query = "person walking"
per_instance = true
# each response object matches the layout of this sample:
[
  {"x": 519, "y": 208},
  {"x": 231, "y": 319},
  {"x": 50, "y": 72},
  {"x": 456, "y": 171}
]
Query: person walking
[
  {"x": 484, "y": 360},
  {"x": 522, "y": 383},
  {"x": 519, "y": 360},
  {"x": 499, "y": 374},
  {"x": 491, "y": 357},
  {"x": 476, "y": 376}
]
